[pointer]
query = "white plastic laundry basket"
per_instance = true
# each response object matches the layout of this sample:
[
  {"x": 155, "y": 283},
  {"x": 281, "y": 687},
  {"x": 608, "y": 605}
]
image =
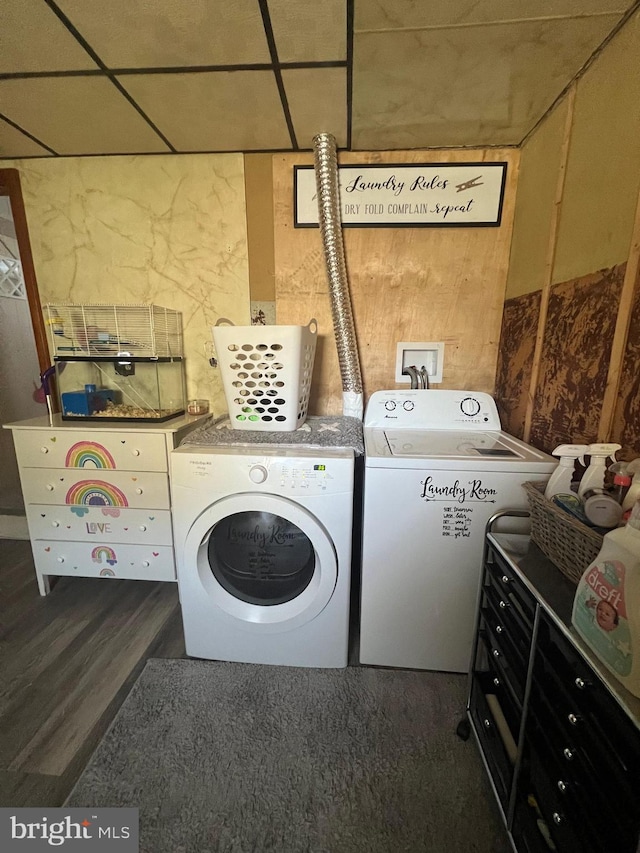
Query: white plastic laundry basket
[{"x": 266, "y": 373}]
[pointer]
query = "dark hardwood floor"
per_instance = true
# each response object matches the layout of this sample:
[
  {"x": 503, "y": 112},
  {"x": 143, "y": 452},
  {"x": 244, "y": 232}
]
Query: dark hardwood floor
[{"x": 67, "y": 662}]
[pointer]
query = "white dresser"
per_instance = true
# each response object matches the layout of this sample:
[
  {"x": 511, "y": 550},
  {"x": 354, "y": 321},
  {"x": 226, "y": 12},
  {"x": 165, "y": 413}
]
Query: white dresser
[{"x": 98, "y": 497}]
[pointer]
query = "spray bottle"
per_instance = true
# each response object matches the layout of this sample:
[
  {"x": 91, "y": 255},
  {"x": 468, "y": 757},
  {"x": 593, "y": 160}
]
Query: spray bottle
[
  {"x": 621, "y": 481},
  {"x": 606, "y": 608},
  {"x": 633, "y": 470},
  {"x": 560, "y": 481},
  {"x": 593, "y": 477}
]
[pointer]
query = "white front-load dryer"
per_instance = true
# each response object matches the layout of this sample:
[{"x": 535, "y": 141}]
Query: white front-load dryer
[{"x": 263, "y": 540}]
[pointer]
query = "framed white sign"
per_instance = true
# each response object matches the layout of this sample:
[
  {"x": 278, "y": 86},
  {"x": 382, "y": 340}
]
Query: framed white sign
[{"x": 384, "y": 195}]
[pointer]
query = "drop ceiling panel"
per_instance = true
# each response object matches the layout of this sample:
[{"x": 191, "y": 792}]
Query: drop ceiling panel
[
  {"x": 171, "y": 33},
  {"x": 213, "y": 111},
  {"x": 422, "y": 74},
  {"x": 407, "y": 14},
  {"x": 77, "y": 115},
  {"x": 309, "y": 31},
  {"x": 454, "y": 89},
  {"x": 317, "y": 103},
  {"x": 32, "y": 38},
  {"x": 16, "y": 144}
]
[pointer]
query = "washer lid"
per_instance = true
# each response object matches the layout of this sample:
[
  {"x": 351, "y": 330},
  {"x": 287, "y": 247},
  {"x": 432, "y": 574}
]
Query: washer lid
[
  {"x": 454, "y": 449},
  {"x": 450, "y": 444}
]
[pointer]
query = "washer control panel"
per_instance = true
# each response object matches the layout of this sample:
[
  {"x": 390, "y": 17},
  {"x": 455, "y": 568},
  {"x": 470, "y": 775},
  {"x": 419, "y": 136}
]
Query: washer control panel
[{"x": 431, "y": 409}]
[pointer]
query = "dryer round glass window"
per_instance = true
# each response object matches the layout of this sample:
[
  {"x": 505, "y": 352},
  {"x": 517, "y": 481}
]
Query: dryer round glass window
[{"x": 260, "y": 557}]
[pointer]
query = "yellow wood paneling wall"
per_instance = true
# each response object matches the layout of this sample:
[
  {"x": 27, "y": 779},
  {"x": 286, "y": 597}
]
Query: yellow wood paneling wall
[
  {"x": 407, "y": 284},
  {"x": 591, "y": 229}
]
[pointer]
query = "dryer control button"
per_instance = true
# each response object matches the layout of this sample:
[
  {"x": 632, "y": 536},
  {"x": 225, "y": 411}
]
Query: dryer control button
[{"x": 258, "y": 474}]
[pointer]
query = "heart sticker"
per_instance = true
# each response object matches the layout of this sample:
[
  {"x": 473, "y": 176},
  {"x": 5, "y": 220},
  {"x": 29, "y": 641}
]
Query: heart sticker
[
  {"x": 42, "y": 515},
  {"x": 155, "y": 553},
  {"x": 134, "y": 479},
  {"x": 47, "y": 549},
  {"x": 126, "y": 528},
  {"x": 53, "y": 439}
]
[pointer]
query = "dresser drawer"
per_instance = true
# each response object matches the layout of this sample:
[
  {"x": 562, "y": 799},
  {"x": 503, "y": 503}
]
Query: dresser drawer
[
  {"x": 104, "y": 451},
  {"x": 511, "y": 589},
  {"x": 491, "y": 742},
  {"x": 505, "y": 602},
  {"x": 88, "y": 559},
  {"x": 568, "y": 825},
  {"x": 75, "y": 487},
  {"x": 582, "y": 759},
  {"x": 573, "y": 795},
  {"x": 580, "y": 693},
  {"x": 106, "y": 524},
  {"x": 502, "y": 656}
]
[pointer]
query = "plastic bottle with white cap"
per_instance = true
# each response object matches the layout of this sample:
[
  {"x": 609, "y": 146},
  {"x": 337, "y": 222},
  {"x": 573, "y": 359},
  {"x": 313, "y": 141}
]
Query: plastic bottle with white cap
[
  {"x": 593, "y": 477},
  {"x": 606, "y": 607},
  {"x": 633, "y": 494},
  {"x": 560, "y": 481}
]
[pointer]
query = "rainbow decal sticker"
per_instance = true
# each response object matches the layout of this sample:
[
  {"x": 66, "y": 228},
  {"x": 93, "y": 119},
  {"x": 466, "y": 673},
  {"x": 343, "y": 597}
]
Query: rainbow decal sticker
[
  {"x": 107, "y": 573},
  {"x": 86, "y": 453},
  {"x": 95, "y": 493},
  {"x": 104, "y": 551}
]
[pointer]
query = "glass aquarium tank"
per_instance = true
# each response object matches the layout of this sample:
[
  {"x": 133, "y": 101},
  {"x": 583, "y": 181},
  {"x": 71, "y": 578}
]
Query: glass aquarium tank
[
  {"x": 117, "y": 362},
  {"x": 142, "y": 389}
]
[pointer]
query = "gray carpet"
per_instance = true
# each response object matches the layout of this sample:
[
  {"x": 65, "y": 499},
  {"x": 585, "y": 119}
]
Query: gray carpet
[{"x": 239, "y": 758}]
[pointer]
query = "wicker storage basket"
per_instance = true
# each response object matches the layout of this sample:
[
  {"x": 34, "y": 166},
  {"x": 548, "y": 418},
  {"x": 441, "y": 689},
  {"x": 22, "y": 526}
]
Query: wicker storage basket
[{"x": 565, "y": 540}]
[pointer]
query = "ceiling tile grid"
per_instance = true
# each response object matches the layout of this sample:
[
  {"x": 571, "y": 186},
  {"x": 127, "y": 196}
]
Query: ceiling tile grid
[{"x": 134, "y": 76}]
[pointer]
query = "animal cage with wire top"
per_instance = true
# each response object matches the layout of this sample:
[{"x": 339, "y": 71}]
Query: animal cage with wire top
[{"x": 118, "y": 362}]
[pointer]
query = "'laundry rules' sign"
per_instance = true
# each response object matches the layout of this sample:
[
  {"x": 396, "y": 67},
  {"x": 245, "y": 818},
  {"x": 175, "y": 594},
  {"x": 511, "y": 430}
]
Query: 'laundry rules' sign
[{"x": 434, "y": 195}]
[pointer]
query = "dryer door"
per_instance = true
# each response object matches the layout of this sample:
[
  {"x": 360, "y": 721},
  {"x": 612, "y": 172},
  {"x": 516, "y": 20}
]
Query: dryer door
[{"x": 265, "y": 562}]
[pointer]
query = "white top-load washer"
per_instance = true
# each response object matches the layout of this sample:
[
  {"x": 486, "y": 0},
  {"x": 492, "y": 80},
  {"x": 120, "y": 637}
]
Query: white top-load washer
[{"x": 437, "y": 467}]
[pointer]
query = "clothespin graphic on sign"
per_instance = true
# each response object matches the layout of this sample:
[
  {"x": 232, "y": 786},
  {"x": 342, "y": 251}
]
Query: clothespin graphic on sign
[{"x": 467, "y": 185}]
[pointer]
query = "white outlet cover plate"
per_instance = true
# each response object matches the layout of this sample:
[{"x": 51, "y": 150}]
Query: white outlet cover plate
[{"x": 419, "y": 353}]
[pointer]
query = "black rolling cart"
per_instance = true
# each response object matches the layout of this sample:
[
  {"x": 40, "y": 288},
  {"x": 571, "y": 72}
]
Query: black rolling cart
[{"x": 558, "y": 735}]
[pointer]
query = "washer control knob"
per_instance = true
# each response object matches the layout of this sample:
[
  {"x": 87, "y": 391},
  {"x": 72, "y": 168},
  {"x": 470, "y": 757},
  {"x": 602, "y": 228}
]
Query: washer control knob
[
  {"x": 408, "y": 405},
  {"x": 470, "y": 406},
  {"x": 258, "y": 474},
  {"x": 390, "y": 405}
]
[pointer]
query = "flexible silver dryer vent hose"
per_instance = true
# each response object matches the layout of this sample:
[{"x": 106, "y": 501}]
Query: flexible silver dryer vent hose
[{"x": 327, "y": 186}]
